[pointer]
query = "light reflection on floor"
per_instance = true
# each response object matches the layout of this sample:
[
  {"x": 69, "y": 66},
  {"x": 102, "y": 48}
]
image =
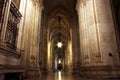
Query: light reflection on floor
[
  {"x": 59, "y": 75},
  {"x": 64, "y": 76}
]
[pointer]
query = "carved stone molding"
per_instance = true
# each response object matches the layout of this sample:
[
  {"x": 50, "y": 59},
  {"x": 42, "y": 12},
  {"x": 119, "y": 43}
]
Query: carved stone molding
[
  {"x": 37, "y": 2},
  {"x": 11, "y": 68},
  {"x": 81, "y": 3},
  {"x": 10, "y": 52},
  {"x": 12, "y": 26}
]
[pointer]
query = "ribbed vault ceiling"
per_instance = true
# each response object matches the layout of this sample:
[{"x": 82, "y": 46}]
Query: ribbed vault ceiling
[
  {"x": 51, "y": 5},
  {"x": 59, "y": 8}
]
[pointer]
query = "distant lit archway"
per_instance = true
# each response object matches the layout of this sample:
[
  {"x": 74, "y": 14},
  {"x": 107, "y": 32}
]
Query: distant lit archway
[{"x": 59, "y": 37}]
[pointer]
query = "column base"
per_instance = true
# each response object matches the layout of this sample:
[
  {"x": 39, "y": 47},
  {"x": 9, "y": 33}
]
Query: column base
[
  {"x": 101, "y": 71},
  {"x": 68, "y": 69},
  {"x": 32, "y": 73},
  {"x": 75, "y": 69}
]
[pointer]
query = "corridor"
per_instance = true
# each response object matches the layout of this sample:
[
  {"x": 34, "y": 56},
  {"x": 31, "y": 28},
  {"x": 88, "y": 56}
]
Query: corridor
[
  {"x": 38, "y": 37},
  {"x": 65, "y": 76}
]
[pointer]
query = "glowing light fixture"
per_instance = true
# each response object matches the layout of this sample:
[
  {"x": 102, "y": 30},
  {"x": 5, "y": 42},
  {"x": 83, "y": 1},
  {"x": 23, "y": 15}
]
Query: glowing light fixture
[
  {"x": 59, "y": 44},
  {"x": 59, "y": 61}
]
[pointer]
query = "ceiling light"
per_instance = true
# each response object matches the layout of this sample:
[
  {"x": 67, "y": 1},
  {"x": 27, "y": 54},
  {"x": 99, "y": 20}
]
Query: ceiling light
[{"x": 59, "y": 44}]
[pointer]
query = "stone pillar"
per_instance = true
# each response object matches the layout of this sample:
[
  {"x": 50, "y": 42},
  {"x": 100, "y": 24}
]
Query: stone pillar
[
  {"x": 22, "y": 9},
  {"x": 106, "y": 32},
  {"x": 99, "y": 50},
  {"x": 44, "y": 49},
  {"x": 28, "y": 38},
  {"x": 43, "y": 39},
  {"x": 69, "y": 54},
  {"x": 75, "y": 49}
]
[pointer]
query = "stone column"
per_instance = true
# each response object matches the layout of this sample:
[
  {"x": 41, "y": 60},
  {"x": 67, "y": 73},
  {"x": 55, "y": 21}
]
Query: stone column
[
  {"x": 69, "y": 55},
  {"x": 5, "y": 20},
  {"x": 43, "y": 38},
  {"x": 75, "y": 49},
  {"x": 106, "y": 32},
  {"x": 97, "y": 38},
  {"x": 22, "y": 10},
  {"x": 28, "y": 38}
]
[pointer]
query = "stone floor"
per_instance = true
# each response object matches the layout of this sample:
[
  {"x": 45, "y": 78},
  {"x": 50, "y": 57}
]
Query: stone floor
[{"x": 65, "y": 76}]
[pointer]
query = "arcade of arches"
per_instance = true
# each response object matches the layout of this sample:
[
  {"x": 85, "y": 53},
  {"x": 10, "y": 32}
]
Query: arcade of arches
[{"x": 42, "y": 37}]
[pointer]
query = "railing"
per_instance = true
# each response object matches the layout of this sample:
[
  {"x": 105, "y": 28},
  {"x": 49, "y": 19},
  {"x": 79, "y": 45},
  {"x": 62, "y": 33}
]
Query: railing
[{"x": 12, "y": 26}]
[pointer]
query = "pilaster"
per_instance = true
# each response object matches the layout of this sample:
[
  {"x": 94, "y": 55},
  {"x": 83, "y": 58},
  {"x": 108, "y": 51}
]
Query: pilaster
[
  {"x": 75, "y": 48},
  {"x": 97, "y": 37},
  {"x": 29, "y": 36}
]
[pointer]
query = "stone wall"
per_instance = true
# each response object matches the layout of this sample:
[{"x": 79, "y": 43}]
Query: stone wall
[
  {"x": 28, "y": 38},
  {"x": 98, "y": 42},
  {"x": 97, "y": 34}
]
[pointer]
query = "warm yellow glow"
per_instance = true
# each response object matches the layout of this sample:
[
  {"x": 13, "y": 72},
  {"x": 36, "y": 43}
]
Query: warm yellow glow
[
  {"x": 59, "y": 61},
  {"x": 70, "y": 53},
  {"x": 29, "y": 6},
  {"x": 59, "y": 75},
  {"x": 48, "y": 56},
  {"x": 59, "y": 44}
]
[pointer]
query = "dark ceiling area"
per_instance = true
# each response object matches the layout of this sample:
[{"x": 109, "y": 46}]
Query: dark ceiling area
[
  {"x": 116, "y": 4},
  {"x": 116, "y": 11},
  {"x": 66, "y": 5},
  {"x": 59, "y": 17}
]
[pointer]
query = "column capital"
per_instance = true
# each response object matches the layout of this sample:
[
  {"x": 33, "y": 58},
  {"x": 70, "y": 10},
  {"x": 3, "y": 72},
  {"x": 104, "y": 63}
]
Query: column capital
[
  {"x": 81, "y": 3},
  {"x": 37, "y": 2},
  {"x": 78, "y": 5}
]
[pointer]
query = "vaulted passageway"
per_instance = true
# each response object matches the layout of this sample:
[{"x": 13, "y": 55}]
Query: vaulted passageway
[
  {"x": 60, "y": 25},
  {"x": 59, "y": 39}
]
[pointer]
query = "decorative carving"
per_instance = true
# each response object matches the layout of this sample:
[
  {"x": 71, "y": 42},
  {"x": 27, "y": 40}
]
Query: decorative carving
[
  {"x": 36, "y": 2},
  {"x": 9, "y": 52},
  {"x": 12, "y": 26},
  {"x": 83, "y": 2},
  {"x": 87, "y": 59},
  {"x": 97, "y": 58},
  {"x": 2, "y": 9},
  {"x": 33, "y": 58}
]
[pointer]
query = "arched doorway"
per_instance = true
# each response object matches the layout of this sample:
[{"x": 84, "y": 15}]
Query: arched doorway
[{"x": 59, "y": 41}]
